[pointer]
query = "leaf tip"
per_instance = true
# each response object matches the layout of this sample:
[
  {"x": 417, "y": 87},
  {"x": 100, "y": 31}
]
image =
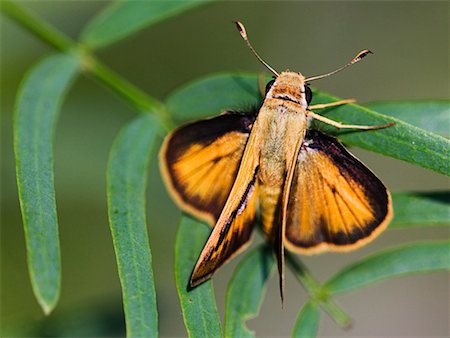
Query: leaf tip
[
  {"x": 47, "y": 306},
  {"x": 46, "y": 300}
]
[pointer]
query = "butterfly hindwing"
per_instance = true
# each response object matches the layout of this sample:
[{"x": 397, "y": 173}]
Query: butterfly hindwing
[
  {"x": 199, "y": 162},
  {"x": 335, "y": 203}
]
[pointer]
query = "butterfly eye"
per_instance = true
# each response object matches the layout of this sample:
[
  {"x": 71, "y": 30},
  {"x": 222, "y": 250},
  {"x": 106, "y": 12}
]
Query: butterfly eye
[
  {"x": 308, "y": 94},
  {"x": 269, "y": 85}
]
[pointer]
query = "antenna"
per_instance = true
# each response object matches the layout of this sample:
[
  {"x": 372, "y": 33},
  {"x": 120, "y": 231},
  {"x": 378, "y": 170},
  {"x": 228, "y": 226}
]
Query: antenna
[
  {"x": 357, "y": 58},
  {"x": 243, "y": 33}
]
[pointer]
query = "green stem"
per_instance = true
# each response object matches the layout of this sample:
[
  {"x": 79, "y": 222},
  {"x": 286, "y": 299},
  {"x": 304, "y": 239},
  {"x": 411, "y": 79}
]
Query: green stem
[
  {"x": 314, "y": 288},
  {"x": 132, "y": 94},
  {"x": 135, "y": 96},
  {"x": 36, "y": 26},
  {"x": 336, "y": 312}
]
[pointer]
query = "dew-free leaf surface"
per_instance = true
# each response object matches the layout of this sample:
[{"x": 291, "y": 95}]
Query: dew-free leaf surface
[
  {"x": 36, "y": 112},
  {"x": 198, "y": 305},
  {"x": 126, "y": 186},
  {"x": 124, "y": 18}
]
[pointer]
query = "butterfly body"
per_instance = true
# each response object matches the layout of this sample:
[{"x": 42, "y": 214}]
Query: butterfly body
[{"x": 285, "y": 124}]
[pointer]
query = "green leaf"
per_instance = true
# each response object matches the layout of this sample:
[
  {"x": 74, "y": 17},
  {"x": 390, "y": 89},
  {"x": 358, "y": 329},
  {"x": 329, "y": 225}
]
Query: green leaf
[
  {"x": 431, "y": 115},
  {"x": 399, "y": 261},
  {"x": 211, "y": 95},
  {"x": 421, "y": 209},
  {"x": 123, "y": 18},
  {"x": 37, "y": 106},
  {"x": 307, "y": 323},
  {"x": 126, "y": 185},
  {"x": 246, "y": 291},
  {"x": 401, "y": 141},
  {"x": 198, "y": 305}
]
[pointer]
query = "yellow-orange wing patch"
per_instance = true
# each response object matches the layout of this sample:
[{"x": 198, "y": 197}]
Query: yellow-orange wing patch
[
  {"x": 336, "y": 203},
  {"x": 200, "y": 161}
]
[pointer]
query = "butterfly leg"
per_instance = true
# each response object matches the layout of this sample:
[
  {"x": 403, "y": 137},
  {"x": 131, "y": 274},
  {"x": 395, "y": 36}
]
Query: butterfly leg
[
  {"x": 331, "y": 104},
  {"x": 349, "y": 126}
]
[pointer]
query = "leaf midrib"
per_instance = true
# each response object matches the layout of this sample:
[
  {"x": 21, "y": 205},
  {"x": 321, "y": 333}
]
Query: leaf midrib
[{"x": 132, "y": 157}]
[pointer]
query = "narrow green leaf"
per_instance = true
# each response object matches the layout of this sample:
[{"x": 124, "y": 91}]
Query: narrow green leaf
[
  {"x": 402, "y": 141},
  {"x": 37, "y": 106},
  {"x": 126, "y": 185},
  {"x": 198, "y": 305},
  {"x": 421, "y": 209},
  {"x": 123, "y": 18},
  {"x": 211, "y": 95},
  {"x": 246, "y": 291},
  {"x": 307, "y": 323},
  {"x": 399, "y": 261},
  {"x": 431, "y": 115}
]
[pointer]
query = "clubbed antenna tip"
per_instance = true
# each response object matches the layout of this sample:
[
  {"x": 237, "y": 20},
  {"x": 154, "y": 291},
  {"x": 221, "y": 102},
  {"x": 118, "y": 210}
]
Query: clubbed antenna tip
[
  {"x": 357, "y": 58},
  {"x": 243, "y": 32}
]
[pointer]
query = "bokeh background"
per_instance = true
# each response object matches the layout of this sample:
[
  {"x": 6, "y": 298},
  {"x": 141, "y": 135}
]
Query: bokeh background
[{"x": 411, "y": 61}]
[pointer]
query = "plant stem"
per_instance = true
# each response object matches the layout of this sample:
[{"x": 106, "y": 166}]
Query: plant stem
[
  {"x": 37, "y": 26},
  {"x": 314, "y": 288},
  {"x": 336, "y": 312},
  {"x": 135, "y": 96},
  {"x": 132, "y": 94}
]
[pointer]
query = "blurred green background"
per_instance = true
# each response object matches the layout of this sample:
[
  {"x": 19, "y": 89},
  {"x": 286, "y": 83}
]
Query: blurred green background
[{"x": 411, "y": 61}]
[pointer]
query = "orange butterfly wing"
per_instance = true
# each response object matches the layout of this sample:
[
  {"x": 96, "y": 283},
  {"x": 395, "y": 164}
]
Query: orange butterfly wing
[
  {"x": 199, "y": 162},
  {"x": 235, "y": 224},
  {"x": 335, "y": 202},
  {"x": 211, "y": 176}
]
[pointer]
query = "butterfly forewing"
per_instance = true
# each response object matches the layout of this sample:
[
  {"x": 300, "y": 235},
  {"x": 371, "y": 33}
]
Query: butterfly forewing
[
  {"x": 229, "y": 236},
  {"x": 236, "y": 221},
  {"x": 335, "y": 202},
  {"x": 200, "y": 161}
]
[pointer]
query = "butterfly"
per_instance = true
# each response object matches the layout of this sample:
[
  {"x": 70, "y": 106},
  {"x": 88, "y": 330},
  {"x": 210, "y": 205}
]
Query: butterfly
[{"x": 310, "y": 193}]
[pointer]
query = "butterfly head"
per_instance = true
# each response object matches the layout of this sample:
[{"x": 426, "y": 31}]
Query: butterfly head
[{"x": 289, "y": 86}]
